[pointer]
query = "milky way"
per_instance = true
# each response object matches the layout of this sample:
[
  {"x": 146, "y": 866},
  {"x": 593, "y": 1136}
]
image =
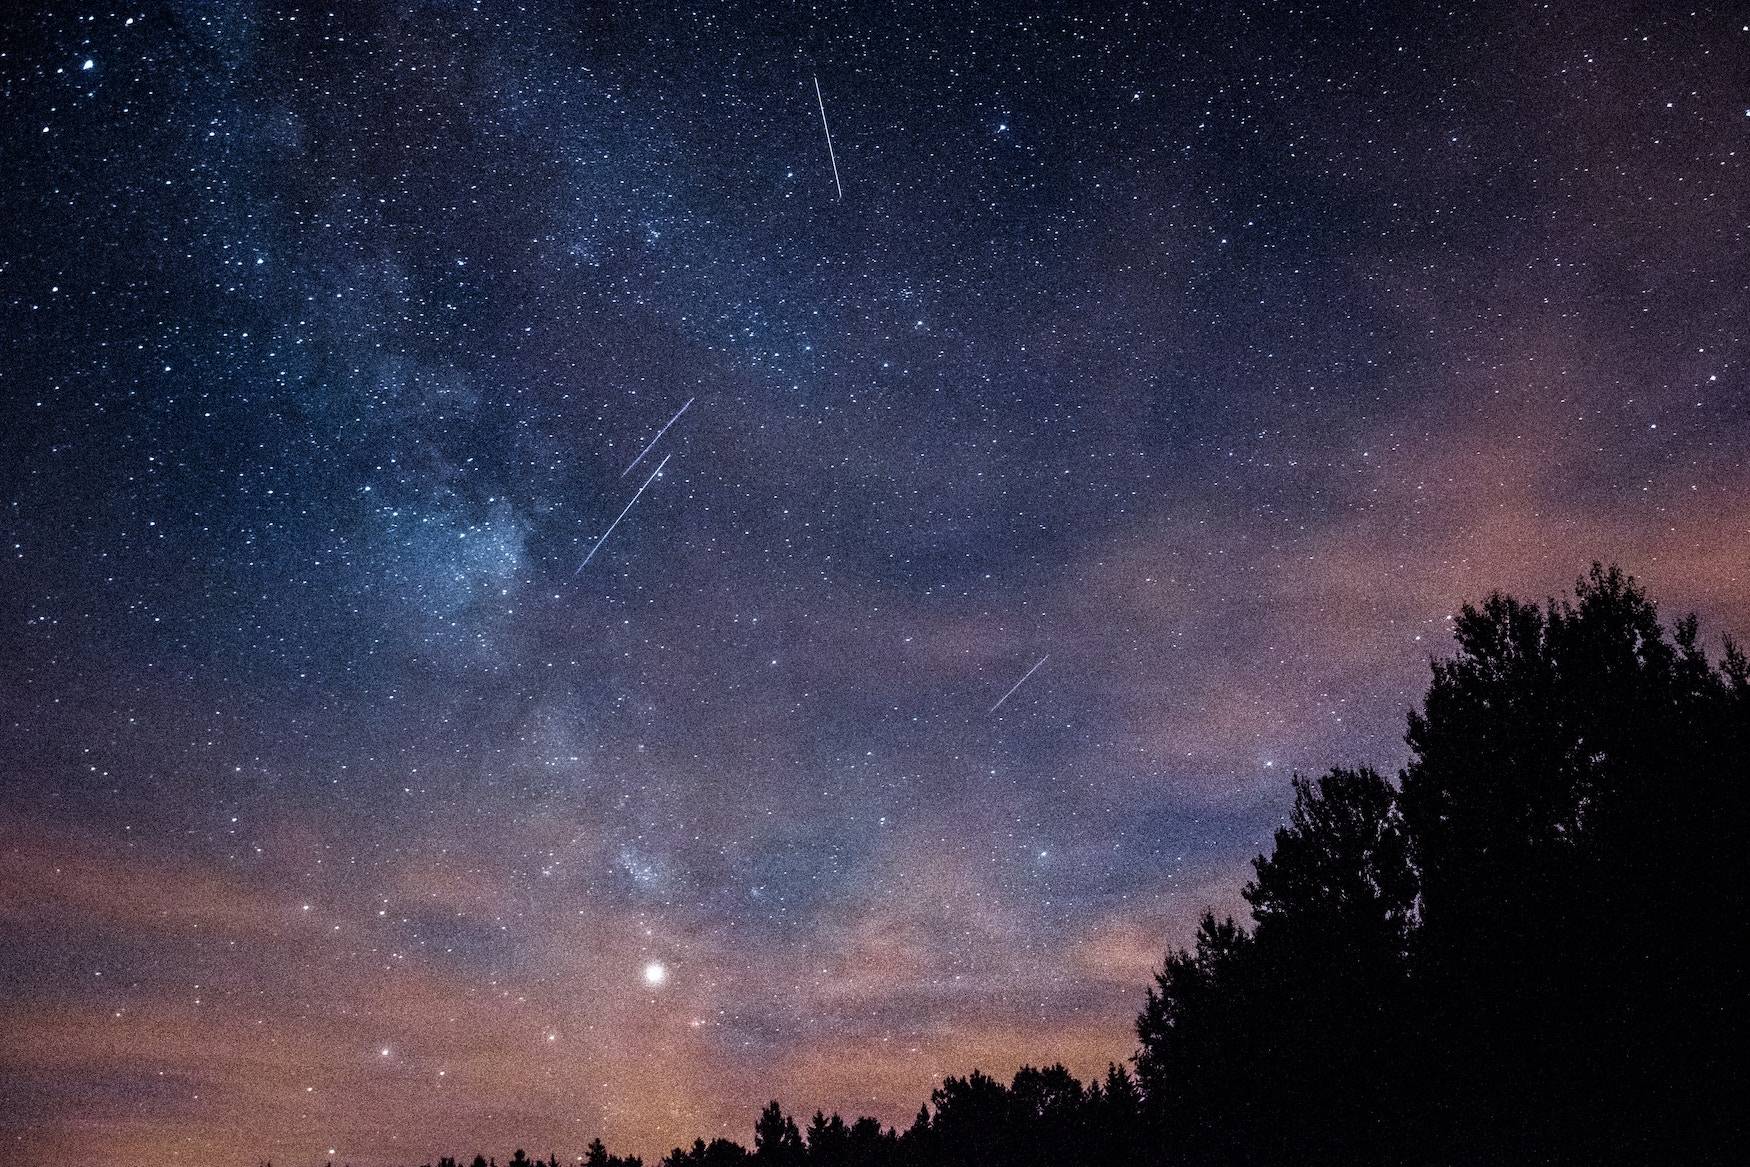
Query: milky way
[{"x": 1216, "y": 354}]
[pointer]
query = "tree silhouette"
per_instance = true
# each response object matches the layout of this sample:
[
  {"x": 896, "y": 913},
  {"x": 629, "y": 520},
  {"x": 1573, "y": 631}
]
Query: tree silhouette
[
  {"x": 776, "y": 1141},
  {"x": 716, "y": 1153},
  {"x": 1195, "y": 1037},
  {"x": 1333, "y": 905},
  {"x": 1573, "y": 801},
  {"x": 867, "y": 1145},
  {"x": 829, "y": 1140},
  {"x": 1516, "y": 958}
]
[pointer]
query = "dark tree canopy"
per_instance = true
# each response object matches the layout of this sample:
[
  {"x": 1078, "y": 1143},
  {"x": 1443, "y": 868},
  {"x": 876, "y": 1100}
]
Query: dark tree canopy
[
  {"x": 1575, "y": 802},
  {"x": 1522, "y": 950}
]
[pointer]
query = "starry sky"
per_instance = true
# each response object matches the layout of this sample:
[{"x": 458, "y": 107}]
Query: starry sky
[{"x": 1206, "y": 357}]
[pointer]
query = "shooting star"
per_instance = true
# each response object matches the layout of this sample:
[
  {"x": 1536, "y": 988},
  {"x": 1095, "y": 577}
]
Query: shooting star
[
  {"x": 1020, "y": 682},
  {"x": 831, "y": 157},
  {"x": 656, "y": 439},
  {"x": 622, "y": 514}
]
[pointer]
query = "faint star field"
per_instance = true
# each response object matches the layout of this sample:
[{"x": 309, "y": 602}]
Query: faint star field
[{"x": 365, "y": 800}]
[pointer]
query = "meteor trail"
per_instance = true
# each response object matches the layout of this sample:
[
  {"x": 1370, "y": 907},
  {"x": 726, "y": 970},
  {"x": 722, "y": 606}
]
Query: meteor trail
[
  {"x": 831, "y": 157},
  {"x": 1020, "y": 682},
  {"x": 656, "y": 439},
  {"x": 616, "y": 522}
]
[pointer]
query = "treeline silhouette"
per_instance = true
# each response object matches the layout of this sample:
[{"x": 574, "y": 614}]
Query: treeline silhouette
[{"x": 1519, "y": 951}]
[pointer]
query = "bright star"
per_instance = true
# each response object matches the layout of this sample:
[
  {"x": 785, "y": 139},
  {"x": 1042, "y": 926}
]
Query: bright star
[{"x": 655, "y": 974}]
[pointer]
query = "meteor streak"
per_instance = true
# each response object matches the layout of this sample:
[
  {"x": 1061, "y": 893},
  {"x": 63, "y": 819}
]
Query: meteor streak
[
  {"x": 622, "y": 514},
  {"x": 831, "y": 157},
  {"x": 656, "y": 439},
  {"x": 1020, "y": 682}
]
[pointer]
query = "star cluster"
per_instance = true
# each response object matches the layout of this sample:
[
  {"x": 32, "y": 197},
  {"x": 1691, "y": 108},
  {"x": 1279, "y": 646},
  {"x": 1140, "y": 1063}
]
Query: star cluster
[{"x": 371, "y": 792}]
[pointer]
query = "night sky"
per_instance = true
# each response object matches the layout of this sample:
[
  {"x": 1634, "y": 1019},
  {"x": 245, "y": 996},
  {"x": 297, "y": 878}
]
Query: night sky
[{"x": 1211, "y": 356}]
